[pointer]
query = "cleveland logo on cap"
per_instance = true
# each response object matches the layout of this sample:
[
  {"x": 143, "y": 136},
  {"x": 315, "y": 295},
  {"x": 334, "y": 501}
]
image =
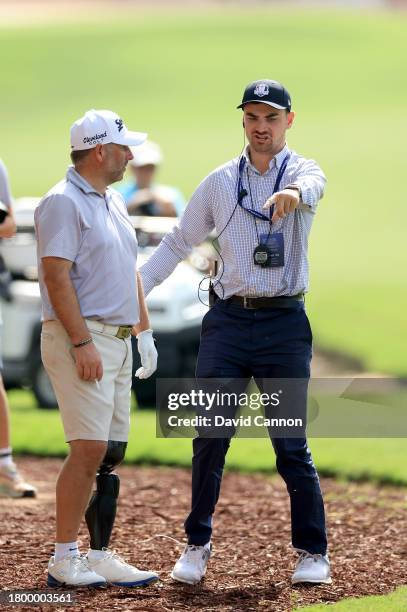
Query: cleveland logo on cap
[
  {"x": 262, "y": 89},
  {"x": 96, "y": 137}
]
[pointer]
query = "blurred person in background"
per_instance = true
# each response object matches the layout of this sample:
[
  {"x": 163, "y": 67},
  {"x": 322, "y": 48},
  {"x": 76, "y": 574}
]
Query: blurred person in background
[
  {"x": 11, "y": 482},
  {"x": 142, "y": 195}
]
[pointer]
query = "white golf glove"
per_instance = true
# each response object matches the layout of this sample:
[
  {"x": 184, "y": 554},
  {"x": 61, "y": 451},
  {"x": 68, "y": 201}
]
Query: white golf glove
[{"x": 148, "y": 354}]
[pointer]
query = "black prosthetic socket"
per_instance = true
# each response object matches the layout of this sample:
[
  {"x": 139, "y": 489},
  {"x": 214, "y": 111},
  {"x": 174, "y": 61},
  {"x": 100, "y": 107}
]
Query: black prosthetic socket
[
  {"x": 114, "y": 456},
  {"x": 101, "y": 512}
]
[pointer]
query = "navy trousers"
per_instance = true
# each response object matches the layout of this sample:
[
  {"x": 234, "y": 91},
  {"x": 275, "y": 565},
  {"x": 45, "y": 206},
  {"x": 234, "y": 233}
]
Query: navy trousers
[{"x": 265, "y": 343}]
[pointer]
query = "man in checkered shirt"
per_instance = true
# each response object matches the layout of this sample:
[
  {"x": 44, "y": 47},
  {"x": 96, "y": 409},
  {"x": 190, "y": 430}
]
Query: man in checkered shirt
[{"x": 261, "y": 206}]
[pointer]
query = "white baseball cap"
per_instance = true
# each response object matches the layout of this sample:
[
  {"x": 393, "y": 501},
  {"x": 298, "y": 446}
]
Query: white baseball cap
[
  {"x": 102, "y": 127},
  {"x": 146, "y": 154}
]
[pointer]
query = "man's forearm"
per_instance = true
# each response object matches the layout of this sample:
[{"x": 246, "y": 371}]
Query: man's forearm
[
  {"x": 144, "y": 322},
  {"x": 160, "y": 265},
  {"x": 195, "y": 225},
  {"x": 64, "y": 301}
]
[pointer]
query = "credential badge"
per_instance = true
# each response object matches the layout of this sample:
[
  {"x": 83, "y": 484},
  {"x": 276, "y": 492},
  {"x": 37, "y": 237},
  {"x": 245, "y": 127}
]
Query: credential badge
[{"x": 262, "y": 89}]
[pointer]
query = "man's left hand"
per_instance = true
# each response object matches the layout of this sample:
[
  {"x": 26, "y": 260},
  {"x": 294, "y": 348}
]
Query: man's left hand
[
  {"x": 285, "y": 201},
  {"x": 148, "y": 354}
]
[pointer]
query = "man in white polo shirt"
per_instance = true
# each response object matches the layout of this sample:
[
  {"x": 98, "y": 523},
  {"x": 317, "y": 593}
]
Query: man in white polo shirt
[{"x": 93, "y": 301}]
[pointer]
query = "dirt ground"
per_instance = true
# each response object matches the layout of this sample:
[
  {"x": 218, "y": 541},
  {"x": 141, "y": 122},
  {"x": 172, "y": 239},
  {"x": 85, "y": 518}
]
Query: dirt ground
[{"x": 252, "y": 561}]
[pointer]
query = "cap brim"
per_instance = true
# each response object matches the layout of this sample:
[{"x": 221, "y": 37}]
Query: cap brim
[
  {"x": 132, "y": 138},
  {"x": 273, "y": 104}
]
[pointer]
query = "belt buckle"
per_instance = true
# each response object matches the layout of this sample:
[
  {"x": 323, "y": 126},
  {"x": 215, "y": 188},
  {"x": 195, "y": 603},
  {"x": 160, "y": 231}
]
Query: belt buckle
[
  {"x": 246, "y": 302},
  {"x": 123, "y": 332}
]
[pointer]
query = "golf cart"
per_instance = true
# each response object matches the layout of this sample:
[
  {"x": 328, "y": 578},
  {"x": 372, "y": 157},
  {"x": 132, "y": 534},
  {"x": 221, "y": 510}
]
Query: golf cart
[{"x": 175, "y": 310}]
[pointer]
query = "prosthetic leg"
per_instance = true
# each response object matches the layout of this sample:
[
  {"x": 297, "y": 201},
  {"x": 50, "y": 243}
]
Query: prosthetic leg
[{"x": 101, "y": 512}]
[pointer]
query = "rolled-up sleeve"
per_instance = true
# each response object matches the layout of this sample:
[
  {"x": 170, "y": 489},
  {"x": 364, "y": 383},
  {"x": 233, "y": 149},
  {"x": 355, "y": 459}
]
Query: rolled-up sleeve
[
  {"x": 311, "y": 180},
  {"x": 58, "y": 227},
  {"x": 195, "y": 225}
]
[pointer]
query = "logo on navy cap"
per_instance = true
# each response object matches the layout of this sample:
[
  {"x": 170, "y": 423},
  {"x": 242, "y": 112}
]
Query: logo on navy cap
[{"x": 261, "y": 90}]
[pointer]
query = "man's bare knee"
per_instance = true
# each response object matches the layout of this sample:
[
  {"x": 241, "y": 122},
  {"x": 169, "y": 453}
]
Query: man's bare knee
[{"x": 87, "y": 453}]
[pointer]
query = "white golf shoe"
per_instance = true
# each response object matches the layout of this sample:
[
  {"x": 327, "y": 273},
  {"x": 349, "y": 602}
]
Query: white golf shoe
[
  {"x": 119, "y": 573},
  {"x": 312, "y": 568},
  {"x": 72, "y": 571},
  {"x": 191, "y": 566},
  {"x": 12, "y": 484}
]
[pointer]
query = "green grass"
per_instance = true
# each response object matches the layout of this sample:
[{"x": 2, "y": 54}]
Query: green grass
[
  {"x": 383, "y": 460},
  {"x": 395, "y": 602},
  {"x": 179, "y": 75}
]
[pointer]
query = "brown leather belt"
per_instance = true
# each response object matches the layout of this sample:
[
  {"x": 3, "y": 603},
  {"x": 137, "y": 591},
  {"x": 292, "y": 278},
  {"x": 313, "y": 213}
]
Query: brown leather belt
[{"x": 282, "y": 301}]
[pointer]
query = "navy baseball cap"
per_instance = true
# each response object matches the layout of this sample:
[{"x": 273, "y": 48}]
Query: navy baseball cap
[{"x": 268, "y": 92}]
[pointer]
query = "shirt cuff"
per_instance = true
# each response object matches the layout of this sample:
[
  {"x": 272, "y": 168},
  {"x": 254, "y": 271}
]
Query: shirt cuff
[
  {"x": 307, "y": 196},
  {"x": 148, "y": 281}
]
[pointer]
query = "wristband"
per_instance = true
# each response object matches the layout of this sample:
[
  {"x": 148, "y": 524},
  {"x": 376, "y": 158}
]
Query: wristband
[{"x": 83, "y": 343}]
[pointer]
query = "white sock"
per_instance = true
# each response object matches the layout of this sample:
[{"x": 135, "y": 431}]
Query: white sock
[
  {"x": 66, "y": 549},
  {"x": 6, "y": 457},
  {"x": 96, "y": 555}
]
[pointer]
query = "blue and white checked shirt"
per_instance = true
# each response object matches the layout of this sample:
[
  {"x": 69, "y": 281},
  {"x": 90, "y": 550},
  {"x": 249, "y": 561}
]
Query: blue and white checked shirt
[{"x": 211, "y": 206}]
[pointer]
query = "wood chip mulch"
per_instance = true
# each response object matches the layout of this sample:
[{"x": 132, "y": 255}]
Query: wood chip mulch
[{"x": 252, "y": 561}]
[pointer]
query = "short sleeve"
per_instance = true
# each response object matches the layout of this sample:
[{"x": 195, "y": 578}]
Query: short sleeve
[{"x": 58, "y": 227}]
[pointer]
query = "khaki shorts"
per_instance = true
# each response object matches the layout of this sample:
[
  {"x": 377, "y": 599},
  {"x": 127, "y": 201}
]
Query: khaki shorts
[{"x": 90, "y": 411}]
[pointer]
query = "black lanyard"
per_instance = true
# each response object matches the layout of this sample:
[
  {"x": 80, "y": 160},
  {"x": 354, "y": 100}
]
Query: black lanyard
[{"x": 242, "y": 193}]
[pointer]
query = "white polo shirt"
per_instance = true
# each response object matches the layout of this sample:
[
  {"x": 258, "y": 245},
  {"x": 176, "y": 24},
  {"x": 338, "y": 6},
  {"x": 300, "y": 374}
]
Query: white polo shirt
[{"x": 75, "y": 222}]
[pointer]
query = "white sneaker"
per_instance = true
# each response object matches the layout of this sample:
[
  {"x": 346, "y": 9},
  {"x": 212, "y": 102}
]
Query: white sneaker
[
  {"x": 312, "y": 568},
  {"x": 72, "y": 571},
  {"x": 191, "y": 566},
  {"x": 116, "y": 571},
  {"x": 12, "y": 483}
]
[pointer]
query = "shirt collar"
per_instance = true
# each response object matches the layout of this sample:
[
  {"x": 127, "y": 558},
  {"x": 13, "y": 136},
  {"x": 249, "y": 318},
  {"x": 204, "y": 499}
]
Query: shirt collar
[
  {"x": 275, "y": 162},
  {"x": 77, "y": 179}
]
